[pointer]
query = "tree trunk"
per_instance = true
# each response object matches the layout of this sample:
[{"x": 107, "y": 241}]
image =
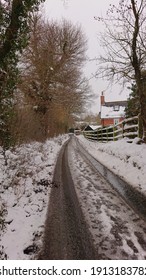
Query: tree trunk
[
  {"x": 12, "y": 30},
  {"x": 143, "y": 114}
]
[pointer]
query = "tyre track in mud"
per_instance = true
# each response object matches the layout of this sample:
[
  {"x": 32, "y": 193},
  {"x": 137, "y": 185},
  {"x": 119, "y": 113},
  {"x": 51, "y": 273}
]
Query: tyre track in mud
[
  {"x": 134, "y": 198},
  {"x": 66, "y": 233},
  {"x": 68, "y": 236},
  {"x": 118, "y": 228}
]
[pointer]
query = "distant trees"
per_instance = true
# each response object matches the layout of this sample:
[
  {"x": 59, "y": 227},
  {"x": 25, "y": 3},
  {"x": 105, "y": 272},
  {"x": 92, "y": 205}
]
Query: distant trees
[
  {"x": 52, "y": 82},
  {"x": 13, "y": 38},
  {"x": 92, "y": 119},
  {"x": 47, "y": 58},
  {"x": 124, "y": 42}
]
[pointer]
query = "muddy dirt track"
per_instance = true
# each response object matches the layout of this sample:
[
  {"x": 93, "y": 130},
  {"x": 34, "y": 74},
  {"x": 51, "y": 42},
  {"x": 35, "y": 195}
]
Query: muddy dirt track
[
  {"x": 66, "y": 234},
  {"x": 69, "y": 234}
]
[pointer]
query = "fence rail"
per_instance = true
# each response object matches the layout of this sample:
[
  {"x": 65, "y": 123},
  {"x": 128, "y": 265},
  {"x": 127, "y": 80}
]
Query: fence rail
[{"x": 127, "y": 128}]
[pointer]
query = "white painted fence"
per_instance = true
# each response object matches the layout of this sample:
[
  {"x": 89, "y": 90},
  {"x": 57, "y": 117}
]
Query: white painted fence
[{"x": 127, "y": 128}]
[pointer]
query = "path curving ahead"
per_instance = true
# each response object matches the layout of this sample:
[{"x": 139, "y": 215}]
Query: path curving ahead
[
  {"x": 66, "y": 234},
  {"x": 87, "y": 217}
]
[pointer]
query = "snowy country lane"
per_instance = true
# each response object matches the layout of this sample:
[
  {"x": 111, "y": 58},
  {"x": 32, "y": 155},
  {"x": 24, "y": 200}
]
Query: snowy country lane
[
  {"x": 87, "y": 218},
  {"x": 66, "y": 234}
]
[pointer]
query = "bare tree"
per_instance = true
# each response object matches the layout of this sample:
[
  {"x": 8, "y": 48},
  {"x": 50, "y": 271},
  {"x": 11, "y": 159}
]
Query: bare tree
[
  {"x": 124, "y": 43},
  {"x": 52, "y": 77}
]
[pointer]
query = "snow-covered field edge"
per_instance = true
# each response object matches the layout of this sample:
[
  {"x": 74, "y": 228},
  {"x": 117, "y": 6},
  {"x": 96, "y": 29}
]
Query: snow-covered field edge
[
  {"x": 26, "y": 183},
  {"x": 127, "y": 160}
]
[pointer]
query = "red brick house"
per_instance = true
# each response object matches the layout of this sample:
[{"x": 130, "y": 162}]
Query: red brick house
[{"x": 111, "y": 112}]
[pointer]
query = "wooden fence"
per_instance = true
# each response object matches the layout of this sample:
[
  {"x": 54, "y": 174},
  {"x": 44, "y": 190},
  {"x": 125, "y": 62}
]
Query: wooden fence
[{"x": 127, "y": 128}]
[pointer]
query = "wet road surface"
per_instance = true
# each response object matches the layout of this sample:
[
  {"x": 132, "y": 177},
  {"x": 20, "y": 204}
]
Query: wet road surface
[
  {"x": 87, "y": 218},
  {"x": 66, "y": 235},
  {"x": 132, "y": 196}
]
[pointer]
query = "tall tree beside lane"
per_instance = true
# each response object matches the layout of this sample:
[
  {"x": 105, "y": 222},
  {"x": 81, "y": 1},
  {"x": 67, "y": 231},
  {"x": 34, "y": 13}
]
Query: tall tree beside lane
[
  {"x": 124, "y": 43},
  {"x": 52, "y": 75},
  {"x": 13, "y": 39}
]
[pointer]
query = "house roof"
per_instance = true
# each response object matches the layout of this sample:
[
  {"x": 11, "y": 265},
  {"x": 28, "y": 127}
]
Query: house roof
[
  {"x": 109, "y": 112},
  {"x": 88, "y": 127},
  {"x": 115, "y": 103},
  {"x": 112, "y": 109},
  {"x": 92, "y": 127}
]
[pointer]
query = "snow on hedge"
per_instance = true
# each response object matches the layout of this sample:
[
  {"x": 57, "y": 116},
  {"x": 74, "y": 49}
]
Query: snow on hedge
[{"x": 26, "y": 183}]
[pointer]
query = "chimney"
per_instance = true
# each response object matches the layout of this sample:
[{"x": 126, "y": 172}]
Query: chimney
[{"x": 102, "y": 101}]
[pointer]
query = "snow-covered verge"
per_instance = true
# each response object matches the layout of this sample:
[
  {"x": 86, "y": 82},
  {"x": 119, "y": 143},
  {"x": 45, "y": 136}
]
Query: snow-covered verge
[
  {"x": 127, "y": 160},
  {"x": 26, "y": 183},
  {"x": 116, "y": 229}
]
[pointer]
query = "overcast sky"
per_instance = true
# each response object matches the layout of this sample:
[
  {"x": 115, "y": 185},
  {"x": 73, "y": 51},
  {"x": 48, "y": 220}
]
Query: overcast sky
[{"x": 83, "y": 12}]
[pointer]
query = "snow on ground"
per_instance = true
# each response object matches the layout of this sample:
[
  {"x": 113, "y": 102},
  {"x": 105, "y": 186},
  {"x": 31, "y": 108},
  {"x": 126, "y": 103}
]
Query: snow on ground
[
  {"x": 127, "y": 160},
  {"x": 25, "y": 187},
  {"x": 26, "y": 183},
  {"x": 117, "y": 231}
]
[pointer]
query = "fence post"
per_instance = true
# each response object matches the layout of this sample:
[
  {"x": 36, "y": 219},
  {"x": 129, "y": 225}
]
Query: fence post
[
  {"x": 113, "y": 133},
  {"x": 107, "y": 134},
  {"x": 123, "y": 124},
  {"x": 117, "y": 131},
  {"x": 139, "y": 126}
]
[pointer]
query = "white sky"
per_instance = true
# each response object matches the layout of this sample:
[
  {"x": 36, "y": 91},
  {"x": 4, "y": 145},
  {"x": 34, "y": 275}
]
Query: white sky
[{"x": 83, "y": 12}]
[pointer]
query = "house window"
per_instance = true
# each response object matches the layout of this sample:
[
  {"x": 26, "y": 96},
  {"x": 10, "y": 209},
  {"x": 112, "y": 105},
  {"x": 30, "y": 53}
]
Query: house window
[
  {"x": 116, "y": 107},
  {"x": 116, "y": 121}
]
